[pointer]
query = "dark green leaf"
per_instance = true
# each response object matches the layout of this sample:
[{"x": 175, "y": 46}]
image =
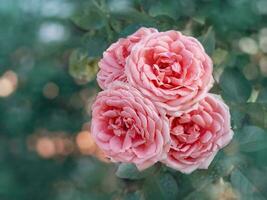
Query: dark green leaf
[
  {"x": 164, "y": 23},
  {"x": 162, "y": 8},
  {"x": 252, "y": 138},
  {"x": 235, "y": 87},
  {"x": 262, "y": 97},
  {"x": 162, "y": 186},
  {"x": 256, "y": 113},
  {"x": 208, "y": 41},
  {"x": 200, "y": 19},
  {"x": 237, "y": 117},
  {"x": 245, "y": 187},
  {"x": 129, "y": 171},
  {"x": 95, "y": 44},
  {"x": 128, "y": 30},
  {"x": 133, "y": 16},
  {"x": 133, "y": 196},
  {"x": 89, "y": 18}
]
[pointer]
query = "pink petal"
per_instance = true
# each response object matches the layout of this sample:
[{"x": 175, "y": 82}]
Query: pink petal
[{"x": 115, "y": 144}]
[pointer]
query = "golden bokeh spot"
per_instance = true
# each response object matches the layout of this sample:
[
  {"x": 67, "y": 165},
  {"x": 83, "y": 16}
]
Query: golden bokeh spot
[
  {"x": 85, "y": 143},
  {"x": 8, "y": 83},
  {"x": 45, "y": 147},
  {"x": 64, "y": 146}
]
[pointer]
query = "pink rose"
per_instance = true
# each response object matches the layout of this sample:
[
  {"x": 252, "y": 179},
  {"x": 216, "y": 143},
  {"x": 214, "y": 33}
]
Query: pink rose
[
  {"x": 171, "y": 69},
  {"x": 114, "y": 58},
  {"x": 198, "y": 135},
  {"x": 128, "y": 127}
]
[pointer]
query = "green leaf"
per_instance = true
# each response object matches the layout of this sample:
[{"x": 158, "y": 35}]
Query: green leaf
[
  {"x": 262, "y": 97},
  {"x": 89, "y": 17},
  {"x": 208, "y": 41},
  {"x": 201, "y": 19},
  {"x": 237, "y": 117},
  {"x": 255, "y": 113},
  {"x": 162, "y": 8},
  {"x": 171, "y": 8},
  {"x": 133, "y": 16},
  {"x": 202, "y": 180},
  {"x": 162, "y": 186},
  {"x": 219, "y": 56},
  {"x": 245, "y": 187},
  {"x": 128, "y": 30},
  {"x": 130, "y": 171},
  {"x": 96, "y": 44},
  {"x": 169, "y": 186},
  {"x": 235, "y": 87},
  {"x": 165, "y": 23},
  {"x": 137, "y": 195},
  {"x": 81, "y": 66},
  {"x": 252, "y": 138}
]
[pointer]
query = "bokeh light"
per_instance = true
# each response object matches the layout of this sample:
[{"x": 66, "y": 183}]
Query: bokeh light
[
  {"x": 263, "y": 65},
  {"x": 59, "y": 144},
  {"x": 248, "y": 45},
  {"x": 52, "y": 32},
  {"x": 262, "y": 6},
  {"x": 8, "y": 83},
  {"x": 263, "y": 43},
  {"x": 45, "y": 147},
  {"x": 54, "y": 8},
  {"x": 51, "y": 90},
  {"x": 85, "y": 143}
]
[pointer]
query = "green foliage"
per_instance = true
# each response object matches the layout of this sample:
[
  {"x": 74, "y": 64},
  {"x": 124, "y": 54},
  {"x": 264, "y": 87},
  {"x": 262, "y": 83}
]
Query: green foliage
[
  {"x": 82, "y": 67},
  {"x": 129, "y": 171},
  {"x": 133, "y": 196},
  {"x": 208, "y": 41},
  {"x": 89, "y": 16},
  {"x": 165, "y": 8},
  {"x": 245, "y": 187},
  {"x": 160, "y": 186},
  {"x": 262, "y": 97},
  {"x": 252, "y": 139},
  {"x": 235, "y": 87}
]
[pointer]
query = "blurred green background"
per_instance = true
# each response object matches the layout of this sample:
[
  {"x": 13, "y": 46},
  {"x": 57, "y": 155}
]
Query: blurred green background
[{"x": 49, "y": 51}]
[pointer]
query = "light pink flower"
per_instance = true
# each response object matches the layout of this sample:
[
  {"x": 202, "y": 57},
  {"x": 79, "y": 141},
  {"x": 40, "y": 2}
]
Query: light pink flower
[
  {"x": 198, "y": 135},
  {"x": 114, "y": 58},
  {"x": 128, "y": 127},
  {"x": 171, "y": 69}
]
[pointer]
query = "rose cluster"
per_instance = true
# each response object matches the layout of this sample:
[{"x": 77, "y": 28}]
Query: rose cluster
[{"x": 155, "y": 105}]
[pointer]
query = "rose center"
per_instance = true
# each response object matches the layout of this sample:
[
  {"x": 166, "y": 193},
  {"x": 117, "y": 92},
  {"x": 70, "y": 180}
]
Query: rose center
[
  {"x": 185, "y": 130},
  {"x": 121, "y": 125},
  {"x": 167, "y": 69}
]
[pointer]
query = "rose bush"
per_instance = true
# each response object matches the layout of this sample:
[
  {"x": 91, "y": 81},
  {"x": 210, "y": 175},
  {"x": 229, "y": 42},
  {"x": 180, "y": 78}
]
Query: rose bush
[
  {"x": 128, "y": 127},
  {"x": 159, "y": 108},
  {"x": 171, "y": 69},
  {"x": 198, "y": 135}
]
